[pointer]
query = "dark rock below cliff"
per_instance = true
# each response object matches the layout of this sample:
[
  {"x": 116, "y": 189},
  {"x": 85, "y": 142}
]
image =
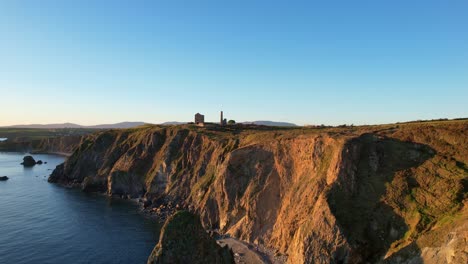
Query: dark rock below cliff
[
  {"x": 90, "y": 185},
  {"x": 28, "y": 161},
  {"x": 183, "y": 240},
  {"x": 57, "y": 174},
  {"x": 3, "y": 178}
]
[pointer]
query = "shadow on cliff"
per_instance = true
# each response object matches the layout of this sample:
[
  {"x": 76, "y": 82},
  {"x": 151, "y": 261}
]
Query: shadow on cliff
[{"x": 369, "y": 164}]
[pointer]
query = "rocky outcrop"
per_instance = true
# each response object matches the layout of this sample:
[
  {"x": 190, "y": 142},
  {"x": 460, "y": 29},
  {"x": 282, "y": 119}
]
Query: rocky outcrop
[
  {"x": 3, "y": 178},
  {"x": 28, "y": 161},
  {"x": 348, "y": 195},
  {"x": 183, "y": 240}
]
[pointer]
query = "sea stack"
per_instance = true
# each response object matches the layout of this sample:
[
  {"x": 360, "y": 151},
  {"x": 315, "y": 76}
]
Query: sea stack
[{"x": 28, "y": 161}]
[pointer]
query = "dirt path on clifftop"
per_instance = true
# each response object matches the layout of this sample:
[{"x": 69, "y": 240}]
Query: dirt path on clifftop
[{"x": 245, "y": 253}]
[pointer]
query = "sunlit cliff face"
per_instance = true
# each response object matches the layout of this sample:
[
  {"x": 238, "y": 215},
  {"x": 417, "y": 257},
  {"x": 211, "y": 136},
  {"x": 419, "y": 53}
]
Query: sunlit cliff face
[{"x": 346, "y": 195}]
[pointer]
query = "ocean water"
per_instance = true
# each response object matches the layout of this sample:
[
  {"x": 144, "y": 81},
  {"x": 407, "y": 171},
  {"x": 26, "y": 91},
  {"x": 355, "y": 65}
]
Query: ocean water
[{"x": 41, "y": 222}]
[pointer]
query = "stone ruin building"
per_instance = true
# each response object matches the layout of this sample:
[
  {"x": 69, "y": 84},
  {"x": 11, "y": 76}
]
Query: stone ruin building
[
  {"x": 199, "y": 119},
  {"x": 223, "y": 121}
]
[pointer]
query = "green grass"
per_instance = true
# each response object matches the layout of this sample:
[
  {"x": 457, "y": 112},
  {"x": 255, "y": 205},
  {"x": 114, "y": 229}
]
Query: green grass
[{"x": 29, "y": 134}]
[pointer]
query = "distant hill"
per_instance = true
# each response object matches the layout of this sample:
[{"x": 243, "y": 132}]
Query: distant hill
[
  {"x": 47, "y": 126},
  {"x": 71, "y": 125},
  {"x": 135, "y": 124},
  {"x": 119, "y": 125},
  {"x": 271, "y": 123},
  {"x": 173, "y": 123}
]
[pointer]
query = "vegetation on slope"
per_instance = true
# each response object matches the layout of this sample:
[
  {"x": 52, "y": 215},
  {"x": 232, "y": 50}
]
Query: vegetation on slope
[{"x": 183, "y": 240}]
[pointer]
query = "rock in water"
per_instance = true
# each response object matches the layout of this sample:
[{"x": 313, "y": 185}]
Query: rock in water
[
  {"x": 183, "y": 240},
  {"x": 39, "y": 162},
  {"x": 28, "y": 161},
  {"x": 3, "y": 178}
]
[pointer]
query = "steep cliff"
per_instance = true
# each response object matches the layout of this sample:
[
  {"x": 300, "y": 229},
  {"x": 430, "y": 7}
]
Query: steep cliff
[
  {"x": 338, "y": 195},
  {"x": 64, "y": 144}
]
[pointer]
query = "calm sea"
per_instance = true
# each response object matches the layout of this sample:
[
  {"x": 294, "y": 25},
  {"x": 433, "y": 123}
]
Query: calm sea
[{"x": 44, "y": 223}]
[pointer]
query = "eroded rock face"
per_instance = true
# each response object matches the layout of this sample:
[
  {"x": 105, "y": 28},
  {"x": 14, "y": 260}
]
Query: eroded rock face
[
  {"x": 372, "y": 163},
  {"x": 183, "y": 240},
  {"x": 28, "y": 161},
  {"x": 317, "y": 196}
]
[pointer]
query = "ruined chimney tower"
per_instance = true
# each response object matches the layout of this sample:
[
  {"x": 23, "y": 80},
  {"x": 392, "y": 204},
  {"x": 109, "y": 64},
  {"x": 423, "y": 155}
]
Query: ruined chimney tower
[{"x": 222, "y": 119}]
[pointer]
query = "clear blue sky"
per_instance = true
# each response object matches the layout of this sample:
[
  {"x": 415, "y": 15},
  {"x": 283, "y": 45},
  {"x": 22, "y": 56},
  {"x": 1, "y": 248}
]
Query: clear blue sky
[{"x": 308, "y": 62}]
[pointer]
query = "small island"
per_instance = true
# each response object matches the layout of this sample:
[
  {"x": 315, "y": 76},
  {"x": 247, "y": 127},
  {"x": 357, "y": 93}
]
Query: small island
[{"x": 28, "y": 161}]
